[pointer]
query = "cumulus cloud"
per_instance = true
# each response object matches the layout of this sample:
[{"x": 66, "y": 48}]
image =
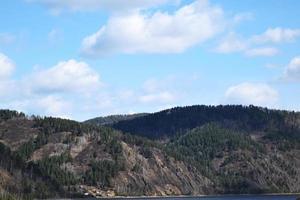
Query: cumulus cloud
[
  {"x": 277, "y": 35},
  {"x": 160, "y": 91},
  {"x": 7, "y": 88},
  {"x": 240, "y": 17},
  {"x": 161, "y": 97},
  {"x": 72, "y": 89},
  {"x": 58, "y": 6},
  {"x": 51, "y": 91},
  {"x": 292, "y": 71},
  {"x": 252, "y": 93},
  {"x": 53, "y": 106},
  {"x": 7, "y": 66},
  {"x": 48, "y": 105},
  {"x": 251, "y": 46},
  {"x": 159, "y": 32},
  {"x": 66, "y": 76},
  {"x": 263, "y": 51},
  {"x": 232, "y": 43},
  {"x": 154, "y": 85},
  {"x": 7, "y": 85}
]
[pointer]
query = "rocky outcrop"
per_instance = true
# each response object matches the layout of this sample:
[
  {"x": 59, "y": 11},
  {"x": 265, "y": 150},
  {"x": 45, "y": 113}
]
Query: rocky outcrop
[{"x": 158, "y": 176}]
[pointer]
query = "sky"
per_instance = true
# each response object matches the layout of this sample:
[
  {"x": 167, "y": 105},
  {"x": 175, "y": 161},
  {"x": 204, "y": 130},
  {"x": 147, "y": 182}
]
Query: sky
[{"x": 80, "y": 59}]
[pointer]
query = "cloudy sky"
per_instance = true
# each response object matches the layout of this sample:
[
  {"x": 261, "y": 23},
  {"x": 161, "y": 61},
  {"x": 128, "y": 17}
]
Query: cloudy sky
[{"x": 85, "y": 58}]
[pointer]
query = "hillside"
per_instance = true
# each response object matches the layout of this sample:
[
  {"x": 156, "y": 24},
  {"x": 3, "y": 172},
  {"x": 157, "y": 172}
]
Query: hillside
[
  {"x": 112, "y": 119},
  {"x": 168, "y": 123},
  {"x": 239, "y": 150},
  {"x": 57, "y": 158}
]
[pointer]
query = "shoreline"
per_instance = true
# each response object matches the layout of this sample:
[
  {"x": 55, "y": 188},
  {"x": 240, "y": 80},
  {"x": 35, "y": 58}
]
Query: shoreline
[{"x": 198, "y": 196}]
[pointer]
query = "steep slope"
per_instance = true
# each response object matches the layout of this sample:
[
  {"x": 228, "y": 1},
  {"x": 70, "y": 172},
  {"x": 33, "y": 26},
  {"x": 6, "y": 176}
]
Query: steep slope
[
  {"x": 67, "y": 158},
  {"x": 237, "y": 163}
]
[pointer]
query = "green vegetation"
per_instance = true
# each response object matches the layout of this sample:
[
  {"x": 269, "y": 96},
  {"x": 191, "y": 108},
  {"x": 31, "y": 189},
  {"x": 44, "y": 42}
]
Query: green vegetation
[
  {"x": 10, "y": 161},
  {"x": 47, "y": 177},
  {"x": 200, "y": 146},
  {"x": 233, "y": 149},
  {"x": 285, "y": 142},
  {"x": 50, "y": 125},
  {"x": 170, "y": 122},
  {"x": 101, "y": 173},
  {"x": 25, "y": 151},
  {"x": 8, "y": 114},
  {"x": 6, "y": 158},
  {"x": 112, "y": 119},
  {"x": 8, "y": 196},
  {"x": 53, "y": 169}
]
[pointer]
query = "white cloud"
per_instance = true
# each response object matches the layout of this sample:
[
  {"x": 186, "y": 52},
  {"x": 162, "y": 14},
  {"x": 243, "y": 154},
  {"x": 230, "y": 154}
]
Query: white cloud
[
  {"x": 66, "y": 76},
  {"x": 53, "y": 106},
  {"x": 232, "y": 43},
  {"x": 249, "y": 46},
  {"x": 160, "y": 91},
  {"x": 154, "y": 85},
  {"x": 160, "y": 32},
  {"x": 240, "y": 17},
  {"x": 58, "y": 6},
  {"x": 252, "y": 93},
  {"x": 152, "y": 96},
  {"x": 292, "y": 71},
  {"x": 161, "y": 97},
  {"x": 42, "y": 105},
  {"x": 7, "y": 66},
  {"x": 71, "y": 89},
  {"x": 262, "y": 51},
  {"x": 277, "y": 35},
  {"x": 7, "y": 88}
]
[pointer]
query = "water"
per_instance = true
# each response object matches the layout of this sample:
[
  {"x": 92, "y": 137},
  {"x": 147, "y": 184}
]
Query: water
[{"x": 233, "y": 197}]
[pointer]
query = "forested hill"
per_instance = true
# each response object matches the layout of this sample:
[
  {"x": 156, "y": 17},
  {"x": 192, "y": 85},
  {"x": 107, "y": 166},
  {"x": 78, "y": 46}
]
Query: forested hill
[
  {"x": 112, "y": 119},
  {"x": 46, "y": 157},
  {"x": 242, "y": 118}
]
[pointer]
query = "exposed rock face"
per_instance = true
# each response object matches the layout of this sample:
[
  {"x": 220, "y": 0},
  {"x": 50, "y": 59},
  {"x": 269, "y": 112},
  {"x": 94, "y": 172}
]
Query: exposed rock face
[
  {"x": 80, "y": 144},
  {"x": 5, "y": 179},
  {"x": 49, "y": 150},
  {"x": 15, "y": 132},
  {"x": 155, "y": 175},
  {"x": 158, "y": 175}
]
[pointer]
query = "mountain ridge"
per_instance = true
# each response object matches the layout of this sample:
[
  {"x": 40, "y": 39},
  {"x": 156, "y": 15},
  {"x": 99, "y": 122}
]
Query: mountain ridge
[
  {"x": 171, "y": 121},
  {"x": 257, "y": 152},
  {"x": 112, "y": 119}
]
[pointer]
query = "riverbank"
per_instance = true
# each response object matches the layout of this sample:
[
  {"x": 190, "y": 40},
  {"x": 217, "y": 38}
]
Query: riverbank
[{"x": 295, "y": 195}]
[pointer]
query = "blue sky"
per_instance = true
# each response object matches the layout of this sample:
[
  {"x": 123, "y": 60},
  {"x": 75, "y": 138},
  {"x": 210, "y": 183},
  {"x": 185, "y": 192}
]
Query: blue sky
[{"x": 84, "y": 58}]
